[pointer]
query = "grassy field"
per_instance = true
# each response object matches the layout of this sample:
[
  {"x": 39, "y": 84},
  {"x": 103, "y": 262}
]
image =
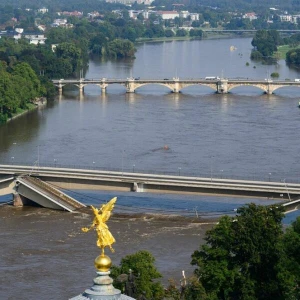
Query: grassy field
[{"x": 282, "y": 50}]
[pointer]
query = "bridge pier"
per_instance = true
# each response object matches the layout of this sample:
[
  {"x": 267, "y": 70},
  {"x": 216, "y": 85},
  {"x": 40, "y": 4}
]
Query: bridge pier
[
  {"x": 81, "y": 88},
  {"x": 19, "y": 200},
  {"x": 60, "y": 88},
  {"x": 222, "y": 86},
  {"x": 130, "y": 85},
  {"x": 137, "y": 187},
  {"x": 176, "y": 88}
]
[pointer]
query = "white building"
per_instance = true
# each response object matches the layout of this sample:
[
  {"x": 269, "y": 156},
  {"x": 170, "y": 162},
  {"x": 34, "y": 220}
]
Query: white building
[
  {"x": 59, "y": 22},
  {"x": 168, "y": 15},
  {"x": 194, "y": 17},
  {"x": 36, "y": 38},
  {"x": 133, "y": 13},
  {"x": 285, "y": 18},
  {"x": 184, "y": 14},
  {"x": 43, "y": 10}
]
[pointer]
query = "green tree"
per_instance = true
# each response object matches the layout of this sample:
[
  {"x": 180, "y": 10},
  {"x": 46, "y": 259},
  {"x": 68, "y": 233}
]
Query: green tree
[
  {"x": 142, "y": 265},
  {"x": 266, "y": 42},
  {"x": 292, "y": 249},
  {"x": 293, "y": 57},
  {"x": 119, "y": 48},
  {"x": 181, "y": 32},
  {"x": 244, "y": 257}
]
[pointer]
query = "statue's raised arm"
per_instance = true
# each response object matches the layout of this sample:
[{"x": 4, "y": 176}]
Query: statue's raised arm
[{"x": 105, "y": 238}]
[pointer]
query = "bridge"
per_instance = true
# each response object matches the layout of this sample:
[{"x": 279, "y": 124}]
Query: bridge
[
  {"x": 28, "y": 190},
  {"x": 176, "y": 85},
  {"x": 71, "y": 179}
]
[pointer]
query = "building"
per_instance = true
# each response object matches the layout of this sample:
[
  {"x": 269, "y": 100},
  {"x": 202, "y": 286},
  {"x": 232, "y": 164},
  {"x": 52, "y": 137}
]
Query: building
[
  {"x": 59, "y": 22},
  {"x": 35, "y": 38},
  {"x": 42, "y": 10},
  {"x": 168, "y": 15},
  {"x": 194, "y": 16},
  {"x": 285, "y": 18},
  {"x": 251, "y": 16},
  {"x": 184, "y": 14}
]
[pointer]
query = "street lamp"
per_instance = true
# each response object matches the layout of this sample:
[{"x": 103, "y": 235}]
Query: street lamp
[
  {"x": 221, "y": 173},
  {"x": 123, "y": 161},
  {"x": 211, "y": 168},
  {"x": 287, "y": 189},
  {"x": 133, "y": 166},
  {"x": 12, "y": 159},
  {"x": 270, "y": 176},
  {"x": 179, "y": 169},
  {"x": 55, "y": 160}
]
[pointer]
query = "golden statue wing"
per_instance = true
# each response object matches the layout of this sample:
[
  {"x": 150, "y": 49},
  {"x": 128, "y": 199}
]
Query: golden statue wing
[{"x": 107, "y": 208}]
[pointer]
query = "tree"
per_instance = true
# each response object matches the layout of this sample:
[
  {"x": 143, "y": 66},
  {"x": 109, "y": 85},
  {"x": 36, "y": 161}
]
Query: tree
[
  {"x": 142, "y": 265},
  {"x": 119, "y": 48},
  {"x": 181, "y": 32},
  {"x": 293, "y": 57},
  {"x": 291, "y": 243},
  {"x": 244, "y": 257},
  {"x": 266, "y": 42}
]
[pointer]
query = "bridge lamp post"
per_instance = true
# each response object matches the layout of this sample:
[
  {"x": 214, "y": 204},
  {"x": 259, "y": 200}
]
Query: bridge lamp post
[
  {"x": 287, "y": 189},
  {"x": 123, "y": 161},
  {"x": 270, "y": 176},
  {"x": 179, "y": 171},
  {"x": 133, "y": 166},
  {"x": 211, "y": 168},
  {"x": 221, "y": 174},
  {"x": 12, "y": 159},
  {"x": 55, "y": 160}
]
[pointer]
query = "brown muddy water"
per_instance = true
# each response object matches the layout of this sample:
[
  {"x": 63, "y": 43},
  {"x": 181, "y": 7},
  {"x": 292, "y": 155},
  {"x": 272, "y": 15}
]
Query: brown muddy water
[{"x": 44, "y": 254}]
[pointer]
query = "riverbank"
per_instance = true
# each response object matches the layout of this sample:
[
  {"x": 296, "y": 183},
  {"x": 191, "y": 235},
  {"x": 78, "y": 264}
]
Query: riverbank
[
  {"x": 42, "y": 247},
  {"x": 40, "y": 102},
  {"x": 207, "y": 36}
]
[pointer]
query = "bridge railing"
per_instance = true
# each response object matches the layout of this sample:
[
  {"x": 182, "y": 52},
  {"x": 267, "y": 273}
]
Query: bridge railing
[{"x": 178, "y": 171}]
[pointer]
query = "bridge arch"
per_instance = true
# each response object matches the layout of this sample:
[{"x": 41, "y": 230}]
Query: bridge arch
[
  {"x": 277, "y": 87},
  {"x": 232, "y": 86},
  {"x": 144, "y": 84},
  {"x": 198, "y": 85}
]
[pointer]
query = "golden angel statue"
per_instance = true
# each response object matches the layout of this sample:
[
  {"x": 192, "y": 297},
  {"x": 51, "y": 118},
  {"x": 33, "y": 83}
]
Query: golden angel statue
[{"x": 102, "y": 214}]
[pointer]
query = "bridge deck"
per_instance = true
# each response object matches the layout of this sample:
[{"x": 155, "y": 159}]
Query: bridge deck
[
  {"x": 48, "y": 195},
  {"x": 109, "y": 180}
]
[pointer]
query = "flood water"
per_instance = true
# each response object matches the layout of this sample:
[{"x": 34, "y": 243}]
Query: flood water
[{"x": 245, "y": 134}]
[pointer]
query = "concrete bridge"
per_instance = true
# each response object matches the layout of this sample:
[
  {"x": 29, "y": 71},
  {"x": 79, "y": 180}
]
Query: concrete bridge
[
  {"x": 72, "y": 179},
  {"x": 176, "y": 85},
  {"x": 28, "y": 190},
  {"x": 139, "y": 182}
]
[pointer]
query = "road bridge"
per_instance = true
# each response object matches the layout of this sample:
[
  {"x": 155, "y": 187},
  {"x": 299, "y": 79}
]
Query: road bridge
[
  {"x": 27, "y": 190},
  {"x": 46, "y": 181},
  {"x": 176, "y": 85},
  {"x": 153, "y": 183}
]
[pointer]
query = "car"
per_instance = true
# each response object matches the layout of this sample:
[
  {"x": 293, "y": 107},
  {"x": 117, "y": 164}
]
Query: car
[
  {"x": 137, "y": 78},
  {"x": 166, "y": 79}
]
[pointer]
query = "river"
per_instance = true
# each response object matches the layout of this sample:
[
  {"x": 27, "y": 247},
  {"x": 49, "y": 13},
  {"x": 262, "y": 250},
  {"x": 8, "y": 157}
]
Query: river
[{"x": 244, "y": 134}]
